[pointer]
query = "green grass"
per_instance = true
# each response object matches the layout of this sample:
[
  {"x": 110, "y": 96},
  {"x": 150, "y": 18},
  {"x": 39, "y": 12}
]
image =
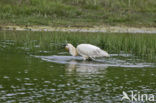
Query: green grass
[
  {"x": 141, "y": 45},
  {"x": 78, "y": 12}
]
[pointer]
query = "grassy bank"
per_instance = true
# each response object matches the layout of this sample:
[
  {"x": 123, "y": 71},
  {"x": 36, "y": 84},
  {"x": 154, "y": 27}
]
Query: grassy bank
[
  {"x": 142, "y": 46},
  {"x": 78, "y": 12}
]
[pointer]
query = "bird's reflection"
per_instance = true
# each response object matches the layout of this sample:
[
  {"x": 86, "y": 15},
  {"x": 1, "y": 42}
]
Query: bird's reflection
[{"x": 85, "y": 67}]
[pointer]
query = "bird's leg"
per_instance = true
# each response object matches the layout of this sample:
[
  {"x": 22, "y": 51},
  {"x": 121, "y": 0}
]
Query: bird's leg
[
  {"x": 85, "y": 57},
  {"x": 91, "y": 58}
]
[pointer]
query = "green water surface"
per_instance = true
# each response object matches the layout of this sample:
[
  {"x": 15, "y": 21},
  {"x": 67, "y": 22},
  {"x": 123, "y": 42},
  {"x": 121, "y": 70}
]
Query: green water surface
[{"x": 34, "y": 67}]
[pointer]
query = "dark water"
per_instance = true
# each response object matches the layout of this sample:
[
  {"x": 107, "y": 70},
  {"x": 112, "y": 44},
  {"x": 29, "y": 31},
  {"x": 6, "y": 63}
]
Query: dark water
[{"x": 58, "y": 77}]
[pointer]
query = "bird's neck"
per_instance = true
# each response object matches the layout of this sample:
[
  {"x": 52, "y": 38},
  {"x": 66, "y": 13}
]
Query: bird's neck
[{"x": 73, "y": 51}]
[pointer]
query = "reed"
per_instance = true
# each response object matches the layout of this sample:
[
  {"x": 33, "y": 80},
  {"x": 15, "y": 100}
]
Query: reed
[{"x": 141, "y": 45}]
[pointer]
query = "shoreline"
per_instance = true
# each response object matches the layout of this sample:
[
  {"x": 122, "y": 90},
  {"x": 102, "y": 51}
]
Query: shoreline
[{"x": 104, "y": 29}]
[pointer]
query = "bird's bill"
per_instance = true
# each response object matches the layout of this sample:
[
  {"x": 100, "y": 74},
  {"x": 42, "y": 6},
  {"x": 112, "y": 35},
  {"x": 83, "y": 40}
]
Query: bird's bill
[{"x": 108, "y": 55}]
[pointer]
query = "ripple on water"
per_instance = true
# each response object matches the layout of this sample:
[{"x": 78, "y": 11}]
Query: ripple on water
[
  {"x": 1, "y": 86},
  {"x": 21, "y": 93},
  {"x": 10, "y": 94},
  {"x": 52, "y": 90},
  {"x": 48, "y": 82},
  {"x": 25, "y": 71},
  {"x": 27, "y": 79},
  {"x": 28, "y": 84},
  {"x": 12, "y": 86},
  {"x": 70, "y": 92},
  {"x": 103, "y": 62},
  {"x": 61, "y": 85},
  {"x": 6, "y": 77}
]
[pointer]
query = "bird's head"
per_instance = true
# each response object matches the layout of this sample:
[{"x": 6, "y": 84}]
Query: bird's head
[
  {"x": 71, "y": 49},
  {"x": 106, "y": 54},
  {"x": 68, "y": 46}
]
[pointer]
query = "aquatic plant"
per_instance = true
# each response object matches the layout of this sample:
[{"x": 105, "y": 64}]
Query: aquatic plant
[{"x": 141, "y": 45}]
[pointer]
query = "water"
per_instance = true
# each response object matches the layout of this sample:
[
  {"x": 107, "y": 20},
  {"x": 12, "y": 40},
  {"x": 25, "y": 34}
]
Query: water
[{"x": 52, "y": 75}]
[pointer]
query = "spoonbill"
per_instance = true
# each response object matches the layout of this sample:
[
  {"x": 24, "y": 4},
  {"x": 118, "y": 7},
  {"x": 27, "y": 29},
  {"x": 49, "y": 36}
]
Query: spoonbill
[{"x": 87, "y": 51}]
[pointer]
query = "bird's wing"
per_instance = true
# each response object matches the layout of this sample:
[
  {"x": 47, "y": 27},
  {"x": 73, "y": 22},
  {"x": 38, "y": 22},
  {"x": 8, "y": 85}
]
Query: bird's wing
[
  {"x": 90, "y": 51},
  {"x": 97, "y": 53}
]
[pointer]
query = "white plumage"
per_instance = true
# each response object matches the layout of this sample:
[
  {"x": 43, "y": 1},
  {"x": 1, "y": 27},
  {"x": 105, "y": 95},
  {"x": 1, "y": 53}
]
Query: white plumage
[{"x": 87, "y": 51}]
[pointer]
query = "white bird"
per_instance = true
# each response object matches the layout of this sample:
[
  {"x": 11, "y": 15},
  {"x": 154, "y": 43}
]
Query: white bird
[{"x": 87, "y": 51}]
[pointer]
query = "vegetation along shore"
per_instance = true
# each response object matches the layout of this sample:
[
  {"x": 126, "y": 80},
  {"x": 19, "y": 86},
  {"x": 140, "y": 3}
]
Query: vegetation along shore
[{"x": 78, "y": 13}]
